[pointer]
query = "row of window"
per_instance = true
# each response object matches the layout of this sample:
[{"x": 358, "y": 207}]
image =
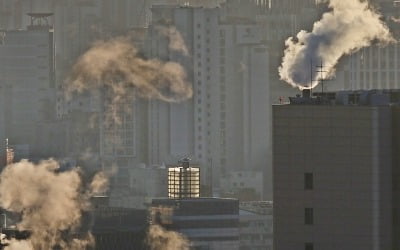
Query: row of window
[{"x": 199, "y": 100}]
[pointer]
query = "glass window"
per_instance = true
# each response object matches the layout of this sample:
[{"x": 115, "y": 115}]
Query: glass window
[
  {"x": 309, "y": 246},
  {"x": 309, "y": 216},
  {"x": 308, "y": 181}
]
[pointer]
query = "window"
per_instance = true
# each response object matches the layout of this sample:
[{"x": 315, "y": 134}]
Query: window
[
  {"x": 308, "y": 181},
  {"x": 309, "y": 246},
  {"x": 309, "y": 216}
]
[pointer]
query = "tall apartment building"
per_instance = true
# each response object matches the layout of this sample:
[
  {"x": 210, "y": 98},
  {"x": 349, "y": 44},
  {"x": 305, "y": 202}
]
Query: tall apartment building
[
  {"x": 224, "y": 126},
  {"x": 371, "y": 68},
  {"x": 278, "y": 20},
  {"x": 336, "y": 172},
  {"x": 27, "y": 80}
]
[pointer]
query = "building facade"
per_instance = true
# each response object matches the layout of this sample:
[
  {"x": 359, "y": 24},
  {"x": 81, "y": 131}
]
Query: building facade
[
  {"x": 27, "y": 66},
  {"x": 256, "y": 225},
  {"x": 223, "y": 126},
  {"x": 208, "y": 223},
  {"x": 335, "y": 172}
]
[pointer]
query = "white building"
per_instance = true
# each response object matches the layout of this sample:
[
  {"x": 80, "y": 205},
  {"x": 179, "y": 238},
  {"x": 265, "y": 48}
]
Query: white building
[{"x": 225, "y": 126}]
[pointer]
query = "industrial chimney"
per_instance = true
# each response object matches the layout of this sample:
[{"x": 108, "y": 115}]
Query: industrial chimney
[{"x": 306, "y": 93}]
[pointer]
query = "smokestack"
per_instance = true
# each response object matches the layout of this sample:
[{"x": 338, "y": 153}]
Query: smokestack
[{"x": 306, "y": 93}]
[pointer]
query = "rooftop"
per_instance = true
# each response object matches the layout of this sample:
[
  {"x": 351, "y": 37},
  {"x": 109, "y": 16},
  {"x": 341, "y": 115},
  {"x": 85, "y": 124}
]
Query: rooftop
[{"x": 374, "y": 97}]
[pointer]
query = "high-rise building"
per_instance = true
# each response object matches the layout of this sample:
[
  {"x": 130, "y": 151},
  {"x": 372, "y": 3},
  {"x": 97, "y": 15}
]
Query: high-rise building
[
  {"x": 223, "y": 127},
  {"x": 335, "y": 172},
  {"x": 27, "y": 81}
]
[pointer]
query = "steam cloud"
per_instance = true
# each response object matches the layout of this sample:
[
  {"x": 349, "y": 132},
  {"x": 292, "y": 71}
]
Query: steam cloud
[
  {"x": 161, "y": 239},
  {"x": 176, "y": 41},
  {"x": 116, "y": 64},
  {"x": 116, "y": 67},
  {"x": 348, "y": 27},
  {"x": 50, "y": 203}
]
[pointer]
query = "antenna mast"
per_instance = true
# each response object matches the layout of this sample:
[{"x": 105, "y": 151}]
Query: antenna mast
[{"x": 321, "y": 71}]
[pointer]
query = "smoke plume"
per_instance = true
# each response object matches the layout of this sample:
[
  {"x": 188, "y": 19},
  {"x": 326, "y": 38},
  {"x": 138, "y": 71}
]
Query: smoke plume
[
  {"x": 99, "y": 184},
  {"x": 50, "y": 203},
  {"x": 176, "y": 41},
  {"x": 394, "y": 19},
  {"x": 349, "y": 26},
  {"x": 160, "y": 239},
  {"x": 117, "y": 67}
]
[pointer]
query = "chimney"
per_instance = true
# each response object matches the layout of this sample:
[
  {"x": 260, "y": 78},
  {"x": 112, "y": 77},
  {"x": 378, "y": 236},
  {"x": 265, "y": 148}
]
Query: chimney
[{"x": 306, "y": 93}]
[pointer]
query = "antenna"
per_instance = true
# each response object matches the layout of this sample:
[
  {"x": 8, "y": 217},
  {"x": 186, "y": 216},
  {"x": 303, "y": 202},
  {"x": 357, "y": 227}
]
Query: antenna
[
  {"x": 311, "y": 77},
  {"x": 321, "y": 71}
]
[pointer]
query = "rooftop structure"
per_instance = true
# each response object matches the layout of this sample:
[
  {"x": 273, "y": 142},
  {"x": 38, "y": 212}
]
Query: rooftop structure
[
  {"x": 39, "y": 20},
  {"x": 372, "y": 97},
  {"x": 184, "y": 181}
]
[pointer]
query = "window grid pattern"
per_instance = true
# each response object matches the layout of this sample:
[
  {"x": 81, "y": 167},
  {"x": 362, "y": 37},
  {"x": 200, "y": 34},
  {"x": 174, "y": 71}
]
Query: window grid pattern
[{"x": 183, "y": 182}]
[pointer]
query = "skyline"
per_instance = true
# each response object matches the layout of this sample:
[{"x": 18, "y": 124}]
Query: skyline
[{"x": 110, "y": 95}]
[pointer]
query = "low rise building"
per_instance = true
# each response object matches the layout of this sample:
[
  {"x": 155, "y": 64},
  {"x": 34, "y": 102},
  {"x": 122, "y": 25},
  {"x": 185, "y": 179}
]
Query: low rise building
[
  {"x": 256, "y": 225},
  {"x": 209, "y": 223},
  {"x": 246, "y": 185}
]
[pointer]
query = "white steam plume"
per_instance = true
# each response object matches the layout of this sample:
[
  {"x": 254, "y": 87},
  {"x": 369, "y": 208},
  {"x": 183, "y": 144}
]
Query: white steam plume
[
  {"x": 160, "y": 239},
  {"x": 349, "y": 26},
  {"x": 50, "y": 203}
]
